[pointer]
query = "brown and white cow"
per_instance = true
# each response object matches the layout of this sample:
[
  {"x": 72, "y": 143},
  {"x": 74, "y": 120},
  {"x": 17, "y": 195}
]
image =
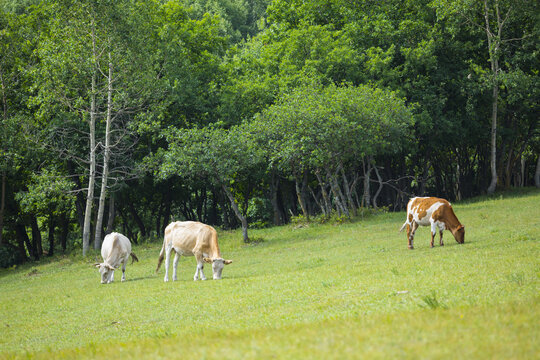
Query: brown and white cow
[
  {"x": 434, "y": 212},
  {"x": 191, "y": 238},
  {"x": 115, "y": 250}
]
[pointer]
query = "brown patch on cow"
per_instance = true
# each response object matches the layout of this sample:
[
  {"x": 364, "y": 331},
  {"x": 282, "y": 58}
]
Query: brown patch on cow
[{"x": 421, "y": 205}]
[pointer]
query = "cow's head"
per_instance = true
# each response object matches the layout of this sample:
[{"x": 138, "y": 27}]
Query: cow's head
[
  {"x": 459, "y": 234},
  {"x": 217, "y": 266},
  {"x": 106, "y": 272}
]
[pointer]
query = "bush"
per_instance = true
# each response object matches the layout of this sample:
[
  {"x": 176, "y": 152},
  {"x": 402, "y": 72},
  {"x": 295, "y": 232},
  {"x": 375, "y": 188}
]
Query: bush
[
  {"x": 9, "y": 256},
  {"x": 332, "y": 218}
]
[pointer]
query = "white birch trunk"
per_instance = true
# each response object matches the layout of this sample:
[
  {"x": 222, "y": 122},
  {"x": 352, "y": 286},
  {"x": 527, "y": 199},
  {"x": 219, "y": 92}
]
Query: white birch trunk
[
  {"x": 237, "y": 212},
  {"x": 92, "y": 170},
  {"x": 92, "y": 173},
  {"x": 494, "y": 43},
  {"x": 106, "y": 158}
]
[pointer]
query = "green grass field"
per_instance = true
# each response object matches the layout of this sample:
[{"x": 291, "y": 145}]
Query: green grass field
[{"x": 322, "y": 291}]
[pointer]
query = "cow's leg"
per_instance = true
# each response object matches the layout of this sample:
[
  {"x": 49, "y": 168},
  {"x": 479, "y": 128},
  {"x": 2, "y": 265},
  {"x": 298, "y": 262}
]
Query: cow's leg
[
  {"x": 414, "y": 226},
  {"x": 409, "y": 236},
  {"x": 440, "y": 239},
  {"x": 112, "y": 277},
  {"x": 124, "y": 271},
  {"x": 175, "y": 266},
  {"x": 433, "y": 232},
  {"x": 167, "y": 259},
  {"x": 200, "y": 266}
]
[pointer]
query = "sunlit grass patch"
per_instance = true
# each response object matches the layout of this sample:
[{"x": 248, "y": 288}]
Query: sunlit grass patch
[{"x": 320, "y": 291}]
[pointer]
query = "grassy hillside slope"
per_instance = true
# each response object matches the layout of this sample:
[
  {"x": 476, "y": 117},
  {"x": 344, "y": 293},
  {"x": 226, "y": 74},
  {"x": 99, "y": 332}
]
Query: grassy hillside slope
[{"x": 322, "y": 291}]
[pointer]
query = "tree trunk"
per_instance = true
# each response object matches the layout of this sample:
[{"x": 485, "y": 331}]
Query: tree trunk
[
  {"x": 112, "y": 215},
  {"x": 237, "y": 212},
  {"x": 341, "y": 207},
  {"x": 379, "y": 189},
  {"x": 321, "y": 206},
  {"x": 36, "y": 238},
  {"x": 106, "y": 158},
  {"x": 537, "y": 173},
  {"x": 65, "y": 231},
  {"x": 2, "y": 204},
  {"x": 52, "y": 226},
  {"x": 300, "y": 197},
  {"x": 274, "y": 186},
  {"x": 425, "y": 176},
  {"x": 522, "y": 172},
  {"x": 326, "y": 198},
  {"x": 494, "y": 44},
  {"x": 366, "y": 200},
  {"x": 92, "y": 174},
  {"x": 23, "y": 239},
  {"x": 167, "y": 212},
  {"x": 347, "y": 190},
  {"x": 136, "y": 217}
]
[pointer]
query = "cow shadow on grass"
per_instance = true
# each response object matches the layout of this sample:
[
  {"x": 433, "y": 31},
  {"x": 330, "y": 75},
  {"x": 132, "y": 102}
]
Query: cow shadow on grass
[{"x": 140, "y": 278}]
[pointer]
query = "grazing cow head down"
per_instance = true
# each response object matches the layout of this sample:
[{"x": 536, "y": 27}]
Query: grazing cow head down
[
  {"x": 459, "y": 234},
  {"x": 217, "y": 266},
  {"x": 106, "y": 272}
]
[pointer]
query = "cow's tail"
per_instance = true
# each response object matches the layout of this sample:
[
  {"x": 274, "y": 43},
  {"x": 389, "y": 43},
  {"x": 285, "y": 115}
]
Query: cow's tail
[
  {"x": 403, "y": 226},
  {"x": 161, "y": 255},
  {"x": 133, "y": 258}
]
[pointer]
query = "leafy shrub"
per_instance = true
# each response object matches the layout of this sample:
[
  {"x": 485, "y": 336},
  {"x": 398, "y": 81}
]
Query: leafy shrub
[{"x": 9, "y": 256}]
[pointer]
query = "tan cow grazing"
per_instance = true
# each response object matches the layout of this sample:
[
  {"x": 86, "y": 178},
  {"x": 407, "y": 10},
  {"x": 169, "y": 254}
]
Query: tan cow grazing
[
  {"x": 434, "y": 212},
  {"x": 115, "y": 250},
  {"x": 191, "y": 238}
]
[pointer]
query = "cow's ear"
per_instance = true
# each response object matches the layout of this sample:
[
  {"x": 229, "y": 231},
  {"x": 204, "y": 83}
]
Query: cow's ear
[
  {"x": 207, "y": 260},
  {"x": 227, "y": 262},
  {"x": 97, "y": 265},
  {"x": 110, "y": 267}
]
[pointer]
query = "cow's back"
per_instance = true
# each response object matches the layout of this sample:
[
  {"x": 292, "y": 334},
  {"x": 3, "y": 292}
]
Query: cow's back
[
  {"x": 188, "y": 237},
  {"x": 115, "y": 245}
]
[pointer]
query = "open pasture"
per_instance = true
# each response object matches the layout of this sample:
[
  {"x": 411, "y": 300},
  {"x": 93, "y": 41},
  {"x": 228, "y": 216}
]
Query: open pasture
[{"x": 321, "y": 291}]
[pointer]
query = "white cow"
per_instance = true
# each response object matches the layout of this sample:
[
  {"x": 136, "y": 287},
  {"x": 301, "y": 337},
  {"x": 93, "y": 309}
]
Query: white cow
[
  {"x": 115, "y": 250},
  {"x": 191, "y": 238}
]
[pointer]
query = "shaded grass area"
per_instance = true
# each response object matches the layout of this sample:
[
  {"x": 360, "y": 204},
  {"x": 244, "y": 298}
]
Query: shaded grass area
[{"x": 321, "y": 291}]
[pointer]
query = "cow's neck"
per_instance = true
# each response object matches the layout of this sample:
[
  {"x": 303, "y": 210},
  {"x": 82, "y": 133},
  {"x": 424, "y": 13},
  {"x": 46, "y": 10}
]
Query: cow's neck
[
  {"x": 453, "y": 225},
  {"x": 214, "y": 249}
]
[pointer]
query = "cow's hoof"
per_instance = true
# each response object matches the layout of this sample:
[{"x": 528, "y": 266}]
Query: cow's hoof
[
  {"x": 166, "y": 280},
  {"x": 411, "y": 247}
]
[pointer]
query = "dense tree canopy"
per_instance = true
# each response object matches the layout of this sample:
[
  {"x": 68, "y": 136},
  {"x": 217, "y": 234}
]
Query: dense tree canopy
[{"x": 126, "y": 115}]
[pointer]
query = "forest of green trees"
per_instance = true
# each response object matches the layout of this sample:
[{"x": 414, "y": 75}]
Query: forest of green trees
[{"x": 128, "y": 114}]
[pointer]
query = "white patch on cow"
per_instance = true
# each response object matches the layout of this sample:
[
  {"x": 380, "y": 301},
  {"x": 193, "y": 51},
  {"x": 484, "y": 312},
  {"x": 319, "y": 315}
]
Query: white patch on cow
[{"x": 426, "y": 220}]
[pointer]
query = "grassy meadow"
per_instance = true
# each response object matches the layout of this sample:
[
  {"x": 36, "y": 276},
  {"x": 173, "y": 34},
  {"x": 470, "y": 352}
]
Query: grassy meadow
[{"x": 319, "y": 291}]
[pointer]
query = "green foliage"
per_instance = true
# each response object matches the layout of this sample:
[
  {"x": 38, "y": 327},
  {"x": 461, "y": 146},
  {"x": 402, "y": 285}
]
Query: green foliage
[
  {"x": 317, "y": 127},
  {"x": 48, "y": 191}
]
